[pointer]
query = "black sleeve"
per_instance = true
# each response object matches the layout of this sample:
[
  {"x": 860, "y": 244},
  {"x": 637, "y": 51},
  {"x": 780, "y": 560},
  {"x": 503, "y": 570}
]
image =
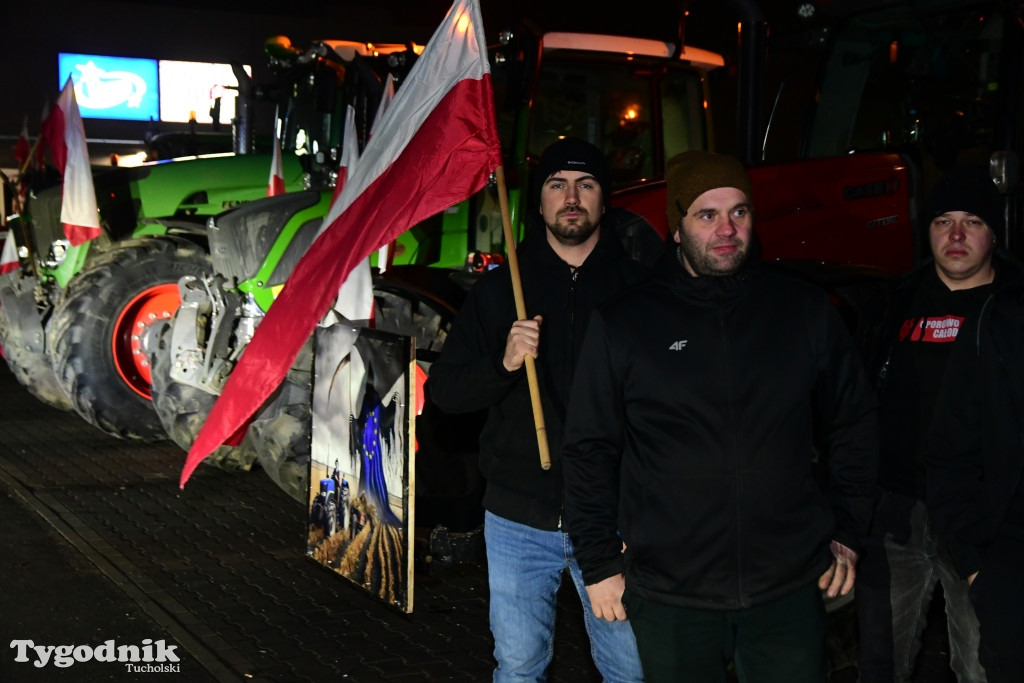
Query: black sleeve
[
  {"x": 847, "y": 409},
  {"x": 591, "y": 453},
  {"x": 469, "y": 374}
]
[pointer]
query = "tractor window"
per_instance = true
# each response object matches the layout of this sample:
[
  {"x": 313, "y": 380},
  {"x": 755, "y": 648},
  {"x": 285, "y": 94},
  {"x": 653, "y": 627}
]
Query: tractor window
[
  {"x": 682, "y": 113},
  {"x": 617, "y": 105},
  {"x": 310, "y": 113},
  {"x": 923, "y": 83}
]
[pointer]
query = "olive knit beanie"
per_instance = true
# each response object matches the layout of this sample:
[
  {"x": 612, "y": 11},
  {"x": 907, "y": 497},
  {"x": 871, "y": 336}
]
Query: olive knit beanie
[{"x": 691, "y": 174}]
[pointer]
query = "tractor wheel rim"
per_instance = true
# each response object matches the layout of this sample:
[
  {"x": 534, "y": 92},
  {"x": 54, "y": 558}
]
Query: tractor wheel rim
[{"x": 147, "y": 308}]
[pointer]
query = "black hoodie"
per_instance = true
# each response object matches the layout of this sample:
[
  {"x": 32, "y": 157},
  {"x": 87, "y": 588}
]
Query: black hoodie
[
  {"x": 469, "y": 375},
  {"x": 693, "y": 435}
]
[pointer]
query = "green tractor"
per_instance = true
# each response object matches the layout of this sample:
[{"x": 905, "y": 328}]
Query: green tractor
[{"x": 74, "y": 318}]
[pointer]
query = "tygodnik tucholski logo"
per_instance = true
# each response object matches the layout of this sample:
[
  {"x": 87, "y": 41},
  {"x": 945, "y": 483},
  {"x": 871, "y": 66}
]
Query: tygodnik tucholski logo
[{"x": 150, "y": 657}]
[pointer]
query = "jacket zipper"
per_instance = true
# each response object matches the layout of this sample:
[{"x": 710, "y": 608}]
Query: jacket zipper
[
  {"x": 574, "y": 274},
  {"x": 736, "y": 456}
]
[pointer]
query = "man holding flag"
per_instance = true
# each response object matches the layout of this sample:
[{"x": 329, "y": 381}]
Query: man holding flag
[{"x": 572, "y": 260}]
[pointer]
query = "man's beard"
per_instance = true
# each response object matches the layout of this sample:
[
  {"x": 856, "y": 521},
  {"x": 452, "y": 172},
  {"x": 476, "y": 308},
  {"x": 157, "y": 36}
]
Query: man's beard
[
  {"x": 703, "y": 263},
  {"x": 574, "y": 233}
]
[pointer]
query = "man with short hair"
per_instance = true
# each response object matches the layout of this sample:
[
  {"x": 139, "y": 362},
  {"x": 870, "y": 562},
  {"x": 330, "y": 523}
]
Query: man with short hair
[
  {"x": 908, "y": 348},
  {"x": 570, "y": 261},
  {"x": 691, "y": 431}
]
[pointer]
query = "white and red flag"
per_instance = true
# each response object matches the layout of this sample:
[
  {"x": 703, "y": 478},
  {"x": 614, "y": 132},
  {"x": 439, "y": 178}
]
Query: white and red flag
[
  {"x": 385, "y": 101},
  {"x": 355, "y": 297},
  {"x": 349, "y": 151},
  {"x": 64, "y": 134},
  {"x": 437, "y": 145},
  {"x": 275, "y": 185},
  {"x": 9, "y": 255}
]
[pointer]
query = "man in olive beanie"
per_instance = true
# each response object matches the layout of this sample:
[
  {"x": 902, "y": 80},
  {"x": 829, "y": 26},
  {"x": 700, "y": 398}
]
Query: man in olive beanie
[
  {"x": 690, "y": 442},
  {"x": 691, "y": 175}
]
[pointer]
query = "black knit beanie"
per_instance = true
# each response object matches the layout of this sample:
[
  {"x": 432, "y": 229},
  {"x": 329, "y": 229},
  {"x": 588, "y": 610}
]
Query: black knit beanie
[
  {"x": 573, "y": 154},
  {"x": 691, "y": 174},
  {"x": 969, "y": 187}
]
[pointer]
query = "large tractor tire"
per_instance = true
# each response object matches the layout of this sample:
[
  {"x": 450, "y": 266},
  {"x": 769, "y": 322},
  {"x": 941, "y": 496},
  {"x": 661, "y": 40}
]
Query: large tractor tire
[
  {"x": 97, "y": 332},
  {"x": 182, "y": 409},
  {"x": 281, "y": 431},
  {"x": 22, "y": 338}
]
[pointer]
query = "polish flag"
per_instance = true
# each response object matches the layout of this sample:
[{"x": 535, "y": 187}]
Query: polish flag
[
  {"x": 385, "y": 100},
  {"x": 355, "y": 297},
  {"x": 349, "y": 151},
  {"x": 437, "y": 145},
  {"x": 65, "y": 136},
  {"x": 275, "y": 185},
  {"x": 9, "y": 255}
]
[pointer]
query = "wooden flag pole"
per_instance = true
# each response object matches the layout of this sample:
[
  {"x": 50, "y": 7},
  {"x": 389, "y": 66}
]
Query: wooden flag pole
[
  {"x": 517, "y": 291},
  {"x": 31, "y": 155}
]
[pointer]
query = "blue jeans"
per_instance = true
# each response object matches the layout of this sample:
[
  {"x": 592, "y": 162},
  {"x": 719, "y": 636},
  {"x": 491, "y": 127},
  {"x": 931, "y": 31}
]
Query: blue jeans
[
  {"x": 895, "y": 584},
  {"x": 524, "y": 570}
]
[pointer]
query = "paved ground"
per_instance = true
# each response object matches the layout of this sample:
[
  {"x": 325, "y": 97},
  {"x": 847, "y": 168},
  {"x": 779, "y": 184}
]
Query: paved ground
[{"x": 99, "y": 544}]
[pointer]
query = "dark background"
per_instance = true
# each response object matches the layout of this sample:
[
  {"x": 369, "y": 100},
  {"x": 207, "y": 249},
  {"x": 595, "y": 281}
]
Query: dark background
[{"x": 34, "y": 31}]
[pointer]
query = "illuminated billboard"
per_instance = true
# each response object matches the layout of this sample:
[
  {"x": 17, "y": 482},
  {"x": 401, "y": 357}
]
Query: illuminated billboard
[
  {"x": 187, "y": 87},
  {"x": 112, "y": 87},
  {"x": 136, "y": 89}
]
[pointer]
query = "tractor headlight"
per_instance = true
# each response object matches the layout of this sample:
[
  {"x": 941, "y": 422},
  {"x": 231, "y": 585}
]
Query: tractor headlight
[{"x": 58, "y": 251}]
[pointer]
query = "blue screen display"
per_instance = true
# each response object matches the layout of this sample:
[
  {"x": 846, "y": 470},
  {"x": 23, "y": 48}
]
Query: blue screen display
[{"x": 112, "y": 87}]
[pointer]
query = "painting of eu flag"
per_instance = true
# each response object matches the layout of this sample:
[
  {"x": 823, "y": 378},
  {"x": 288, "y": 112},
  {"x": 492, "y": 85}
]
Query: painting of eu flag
[{"x": 361, "y": 489}]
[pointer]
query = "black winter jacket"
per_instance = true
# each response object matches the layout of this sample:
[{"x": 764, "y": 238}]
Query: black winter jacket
[
  {"x": 691, "y": 430},
  {"x": 469, "y": 374},
  {"x": 880, "y": 323},
  {"x": 905, "y": 419},
  {"x": 975, "y": 458}
]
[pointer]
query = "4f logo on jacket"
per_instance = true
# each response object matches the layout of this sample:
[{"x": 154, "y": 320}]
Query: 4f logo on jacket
[
  {"x": 938, "y": 329},
  {"x": 677, "y": 345}
]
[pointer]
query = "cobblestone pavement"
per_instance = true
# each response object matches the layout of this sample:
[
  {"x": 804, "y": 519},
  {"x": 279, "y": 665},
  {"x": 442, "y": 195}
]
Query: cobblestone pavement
[{"x": 100, "y": 544}]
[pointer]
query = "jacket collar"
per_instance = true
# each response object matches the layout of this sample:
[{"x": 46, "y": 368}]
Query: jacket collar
[
  {"x": 535, "y": 246},
  {"x": 669, "y": 270}
]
